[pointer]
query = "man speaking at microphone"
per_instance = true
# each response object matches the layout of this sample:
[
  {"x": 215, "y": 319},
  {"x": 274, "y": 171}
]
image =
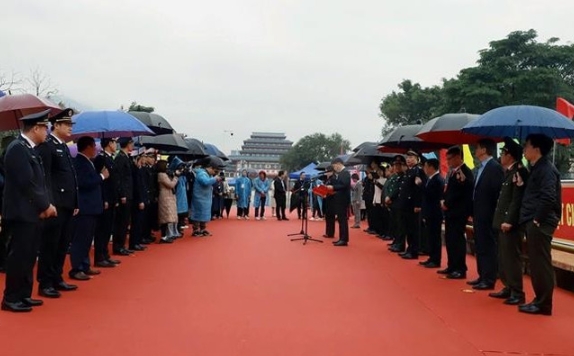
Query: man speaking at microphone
[{"x": 340, "y": 185}]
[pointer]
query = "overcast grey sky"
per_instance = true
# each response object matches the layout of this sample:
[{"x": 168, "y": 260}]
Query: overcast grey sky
[{"x": 294, "y": 66}]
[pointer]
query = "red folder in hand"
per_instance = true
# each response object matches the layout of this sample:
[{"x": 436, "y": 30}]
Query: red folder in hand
[{"x": 322, "y": 191}]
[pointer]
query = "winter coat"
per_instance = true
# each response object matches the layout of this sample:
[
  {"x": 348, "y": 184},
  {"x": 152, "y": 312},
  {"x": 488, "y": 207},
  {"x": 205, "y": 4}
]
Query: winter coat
[
  {"x": 167, "y": 207},
  {"x": 202, "y": 196}
]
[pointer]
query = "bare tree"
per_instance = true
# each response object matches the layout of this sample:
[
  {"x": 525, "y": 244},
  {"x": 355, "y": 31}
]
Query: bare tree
[
  {"x": 10, "y": 82},
  {"x": 40, "y": 83}
]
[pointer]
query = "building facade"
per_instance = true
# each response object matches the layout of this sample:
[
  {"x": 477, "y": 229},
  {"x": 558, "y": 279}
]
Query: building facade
[{"x": 261, "y": 152}]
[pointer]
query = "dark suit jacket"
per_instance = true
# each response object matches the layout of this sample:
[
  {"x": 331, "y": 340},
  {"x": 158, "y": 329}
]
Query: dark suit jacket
[
  {"x": 509, "y": 199},
  {"x": 110, "y": 186},
  {"x": 25, "y": 193},
  {"x": 123, "y": 171},
  {"x": 486, "y": 191},
  {"x": 279, "y": 189},
  {"x": 89, "y": 186},
  {"x": 432, "y": 195},
  {"x": 458, "y": 194},
  {"x": 341, "y": 183},
  {"x": 410, "y": 194},
  {"x": 59, "y": 172},
  {"x": 140, "y": 186}
]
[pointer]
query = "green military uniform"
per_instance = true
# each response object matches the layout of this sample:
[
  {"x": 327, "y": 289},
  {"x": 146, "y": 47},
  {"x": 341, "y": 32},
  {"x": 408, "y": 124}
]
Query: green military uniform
[{"x": 510, "y": 242}]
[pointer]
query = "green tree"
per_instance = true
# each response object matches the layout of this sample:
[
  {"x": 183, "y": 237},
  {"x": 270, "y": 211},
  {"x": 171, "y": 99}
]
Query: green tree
[
  {"x": 512, "y": 71},
  {"x": 317, "y": 147},
  {"x": 411, "y": 104},
  {"x": 134, "y": 106}
]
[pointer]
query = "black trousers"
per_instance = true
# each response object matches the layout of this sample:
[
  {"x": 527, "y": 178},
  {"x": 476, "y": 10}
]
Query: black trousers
[
  {"x": 104, "y": 228},
  {"x": 486, "y": 251},
  {"x": 150, "y": 220},
  {"x": 262, "y": 207},
  {"x": 121, "y": 223},
  {"x": 412, "y": 228},
  {"x": 400, "y": 223},
  {"x": 22, "y": 253},
  {"x": 542, "y": 276},
  {"x": 280, "y": 203},
  {"x": 54, "y": 244},
  {"x": 242, "y": 212},
  {"x": 4, "y": 239},
  {"x": 510, "y": 262},
  {"x": 137, "y": 226},
  {"x": 302, "y": 207},
  {"x": 339, "y": 213},
  {"x": 376, "y": 219},
  {"x": 455, "y": 241},
  {"x": 432, "y": 228},
  {"x": 369, "y": 208},
  {"x": 84, "y": 227}
]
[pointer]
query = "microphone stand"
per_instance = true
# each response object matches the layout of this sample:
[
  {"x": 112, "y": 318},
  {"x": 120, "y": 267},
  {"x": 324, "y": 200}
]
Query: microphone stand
[{"x": 304, "y": 226}]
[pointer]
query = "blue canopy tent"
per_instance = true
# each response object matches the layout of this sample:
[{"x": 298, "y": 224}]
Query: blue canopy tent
[{"x": 309, "y": 171}]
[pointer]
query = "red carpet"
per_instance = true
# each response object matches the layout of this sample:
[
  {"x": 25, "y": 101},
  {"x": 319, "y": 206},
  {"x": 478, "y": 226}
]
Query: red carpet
[{"x": 248, "y": 290}]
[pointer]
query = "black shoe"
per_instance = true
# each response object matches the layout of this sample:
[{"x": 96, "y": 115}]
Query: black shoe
[
  {"x": 129, "y": 251},
  {"x": 533, "y": 308},
  {"x": 65, "y": 287},
  {"x": 474, "y": 282},
  {"x": 514, "y": 300},
  {"x": 49, "y": 293},
  {"x": 32, "y": 302},
  {"x": 423, "y": 263},
  {"x": 456, "y": 275},
  {"x": 18, "y": 307},
  {"x": 138, "y": 248},
  {"x": 387, "y": 238},
  {"x": 397, "y": 249},
  {"x": 328, "y": 237},
  {"x": 285, "y": 219},
  {"x": 401, "y": 254},
  {"x": 116, "y": 262},
  {"x": 340, "y": 243},
  {"x": 167, "y": 241},
  {"x": 444, "y": 271},
  {"x": 104, "y": 264},
  {"x": 80, "y": 276},
  {"x": 121, "y": 252},
  {"x": 432, "y": 265},
  {"x": 410, "y": 256},
  {"x": 483, "y": 286},
  {"x": 504, "y": 293}
]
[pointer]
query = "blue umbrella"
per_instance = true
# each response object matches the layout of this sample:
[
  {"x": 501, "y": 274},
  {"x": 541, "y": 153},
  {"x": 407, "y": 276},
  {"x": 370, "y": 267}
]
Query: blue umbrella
[
  {"x": 214, "y": 151},
  {"x": 519, "y": 121},
  {"x": 108, "y": 124}
]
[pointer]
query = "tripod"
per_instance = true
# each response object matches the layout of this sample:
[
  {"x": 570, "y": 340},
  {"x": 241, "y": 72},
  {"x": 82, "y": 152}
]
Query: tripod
[{"x": 304, "y": 226}]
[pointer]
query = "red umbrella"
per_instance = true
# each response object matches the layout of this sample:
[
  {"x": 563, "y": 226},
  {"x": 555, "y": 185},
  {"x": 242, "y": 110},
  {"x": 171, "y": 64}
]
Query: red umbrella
[{"x": 14, "y": 107}]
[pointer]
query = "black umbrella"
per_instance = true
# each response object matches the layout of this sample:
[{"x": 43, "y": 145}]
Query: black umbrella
[
  {"x": 155, "y": 122},
  {"x": 195, "y": 149},
  {"x": 369, "y": 153},
  {"x": 167, "y": 142},
  {"x": 404, "y": 138},
  {"x": 365, "y": 144}
]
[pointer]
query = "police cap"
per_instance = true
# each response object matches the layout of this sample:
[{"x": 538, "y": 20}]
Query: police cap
[
  {"x": 64, "y": 116},
  {"x": 40, "y": 118},
  {"x": 512, "y": 148}
]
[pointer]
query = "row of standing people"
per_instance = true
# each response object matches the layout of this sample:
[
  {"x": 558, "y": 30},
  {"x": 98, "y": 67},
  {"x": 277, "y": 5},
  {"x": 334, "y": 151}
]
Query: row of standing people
[{"x": 408, "y": 203}]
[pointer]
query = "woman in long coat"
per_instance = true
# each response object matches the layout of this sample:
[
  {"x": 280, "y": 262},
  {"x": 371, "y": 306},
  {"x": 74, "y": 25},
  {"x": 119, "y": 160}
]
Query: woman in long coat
[
  {"x": 167, "y": 205},
  {"x": 243, "y": 195},
  {"x": 202, "y": 199},
  {"x": 261, "y": 186},
  {"x": 180, "y": 193}
]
